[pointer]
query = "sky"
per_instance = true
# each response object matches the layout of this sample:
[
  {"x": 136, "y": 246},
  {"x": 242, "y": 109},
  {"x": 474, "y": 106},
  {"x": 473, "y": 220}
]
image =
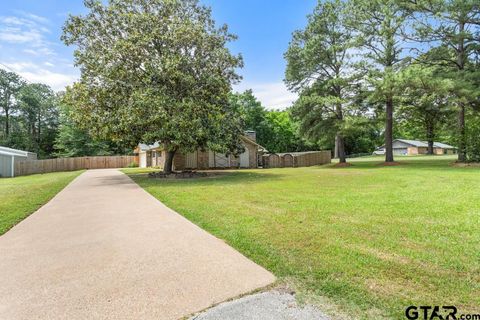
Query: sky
[{"x": 30, "y": 42}]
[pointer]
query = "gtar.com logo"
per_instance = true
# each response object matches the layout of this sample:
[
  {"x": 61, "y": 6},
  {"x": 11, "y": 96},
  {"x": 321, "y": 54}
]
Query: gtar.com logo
[
  {"x": 437, "y": 313},
  {"x": 431, "y": 312}
]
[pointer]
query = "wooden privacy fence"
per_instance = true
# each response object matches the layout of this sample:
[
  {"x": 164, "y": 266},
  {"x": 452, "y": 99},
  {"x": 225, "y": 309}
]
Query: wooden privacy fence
[
  {"x": 296, "y": 159},
  {"x": 23, "y": 168}
]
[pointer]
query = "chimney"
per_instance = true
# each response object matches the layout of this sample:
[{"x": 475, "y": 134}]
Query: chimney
[{"x": 252, "y": 135}]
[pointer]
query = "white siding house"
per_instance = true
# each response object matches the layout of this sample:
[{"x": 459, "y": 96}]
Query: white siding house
[{"x": 8, "y": 158}]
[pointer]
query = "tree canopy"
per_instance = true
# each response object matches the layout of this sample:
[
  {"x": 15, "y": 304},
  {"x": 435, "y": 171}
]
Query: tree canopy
[{"x": 156, "y": 70}]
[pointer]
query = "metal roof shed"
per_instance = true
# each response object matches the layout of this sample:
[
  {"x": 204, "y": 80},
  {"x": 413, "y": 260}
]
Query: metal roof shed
[{"x": 8, "y": 158}]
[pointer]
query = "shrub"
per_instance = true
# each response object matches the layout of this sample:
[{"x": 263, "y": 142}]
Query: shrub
[{"x": 132, "y": 165}]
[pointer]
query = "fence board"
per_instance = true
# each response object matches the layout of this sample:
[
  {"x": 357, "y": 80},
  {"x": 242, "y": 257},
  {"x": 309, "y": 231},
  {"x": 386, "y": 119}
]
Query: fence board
[
  {"x": 296, "y": 159},
  {"x": 23, "y": 168}
]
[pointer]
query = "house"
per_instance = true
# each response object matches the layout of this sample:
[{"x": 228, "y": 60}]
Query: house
[
  {"x": 414, "y": 147},
  {"x": 9, "y": 157},
  {"x": 154, "y": 156}
]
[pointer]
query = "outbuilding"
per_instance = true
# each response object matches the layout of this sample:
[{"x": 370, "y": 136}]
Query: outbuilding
[{"x": 9, "y": 157}]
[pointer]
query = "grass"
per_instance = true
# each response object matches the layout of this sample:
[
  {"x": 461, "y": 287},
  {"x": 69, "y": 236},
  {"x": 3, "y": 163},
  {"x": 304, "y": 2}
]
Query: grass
[
  {"x": 21, "y": 196},
  {"x": 364, "y": 242}
]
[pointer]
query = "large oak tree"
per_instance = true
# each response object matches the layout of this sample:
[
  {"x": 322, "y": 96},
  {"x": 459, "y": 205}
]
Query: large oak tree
[{"x": 154, "y": 70}]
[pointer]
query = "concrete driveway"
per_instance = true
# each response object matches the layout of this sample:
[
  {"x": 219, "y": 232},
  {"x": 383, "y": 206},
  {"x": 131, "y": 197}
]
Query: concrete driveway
[{"x": 103, "y": 248}]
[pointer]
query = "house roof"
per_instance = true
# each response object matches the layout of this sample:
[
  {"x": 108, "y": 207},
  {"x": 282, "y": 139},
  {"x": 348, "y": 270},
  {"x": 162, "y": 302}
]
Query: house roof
[
  {"x": 443, "y": 145},
  {"x": 248, "y": 140},
  {"x": 414, "y": 143},
  {"x": 147, "y": 147},
  {"x": 13, "y": 152},
  {"x": 417, "y": 143}
]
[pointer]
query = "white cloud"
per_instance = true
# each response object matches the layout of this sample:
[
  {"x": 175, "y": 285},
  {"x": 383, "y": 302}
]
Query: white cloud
[
  {"x": 31, "y": 54},
  {"x": 28, "y": 31},
  {"x": 17, "y": 35},
  {"x": 37, "y": 74},
  {"x": 273, "y": 95},
  {"x": 39, "y": 52},
  {"x": 34, "y": 17}
]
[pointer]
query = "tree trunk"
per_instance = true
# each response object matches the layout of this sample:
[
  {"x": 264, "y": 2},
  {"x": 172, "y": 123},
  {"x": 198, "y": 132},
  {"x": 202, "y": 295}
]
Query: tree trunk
[
  {"x": 335, "y": 152},
  {"x": 462, "y": 145},
  {"x": 7, "y": 115},
  {"x": 37, "y": 140},
  {"x": 462, "y": 138},
  {"x": 339, "y": 139},
  {"x": 430, "y": 147},
  {"x": 340, "y": 148},
  {"x": 389, "y": 130},
  {"x": 7, "y": 122},
  {"x": 430, "y": 138},
  {"x": 169, "y": 162}
]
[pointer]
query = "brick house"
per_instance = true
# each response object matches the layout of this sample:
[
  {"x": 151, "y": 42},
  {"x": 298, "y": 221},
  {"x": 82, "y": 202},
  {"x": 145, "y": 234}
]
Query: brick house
[{"x": 154, "y": 156}]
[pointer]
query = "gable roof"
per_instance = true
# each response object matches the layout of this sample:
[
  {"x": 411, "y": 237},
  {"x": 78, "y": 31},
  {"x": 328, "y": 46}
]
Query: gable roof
[
  {"x": 420, "y": 144},
  {"x": 147, "y": 147},
  {"x": 443, "y": 145},
  {"x": 414, "y": 143},
  {"x": 248, "y": 140}
]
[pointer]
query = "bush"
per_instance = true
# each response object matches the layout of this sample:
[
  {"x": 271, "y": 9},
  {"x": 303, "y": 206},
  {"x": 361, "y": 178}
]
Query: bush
[{"x": 132, "y": 165}]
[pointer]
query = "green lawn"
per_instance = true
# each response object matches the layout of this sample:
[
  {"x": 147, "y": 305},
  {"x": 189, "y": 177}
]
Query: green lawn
[
  {"x": 363, "y": 242},
  {"x": 21, "y": 196}
]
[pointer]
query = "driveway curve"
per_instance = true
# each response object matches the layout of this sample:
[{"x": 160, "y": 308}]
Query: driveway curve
[{"x": 103, "y": 248}]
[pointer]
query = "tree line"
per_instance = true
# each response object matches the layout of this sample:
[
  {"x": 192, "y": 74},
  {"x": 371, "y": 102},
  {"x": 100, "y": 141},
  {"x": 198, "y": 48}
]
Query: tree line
[
  {"x": 412, "y": 63},
  {"x": 162, "y": 71},
  {"x": 33, "y": 118},
  {"x": 156, "y": 70},
  {"x": 279, "y": 130}
]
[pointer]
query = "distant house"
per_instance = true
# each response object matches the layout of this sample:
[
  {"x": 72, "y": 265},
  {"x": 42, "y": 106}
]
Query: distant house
[
  {"x": 9, "y": 157},
  {"x": 414, "y": 147},
  {"x": 154, "y": 156}
]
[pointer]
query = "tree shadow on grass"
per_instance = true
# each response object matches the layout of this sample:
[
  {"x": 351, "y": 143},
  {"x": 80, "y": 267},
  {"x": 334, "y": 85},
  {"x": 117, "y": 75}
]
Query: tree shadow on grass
[{"x": 217, "y": 178}]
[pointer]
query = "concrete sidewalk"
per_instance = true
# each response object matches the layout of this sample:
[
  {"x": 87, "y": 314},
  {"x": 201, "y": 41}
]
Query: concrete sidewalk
[{"x": 103, "y": 248}]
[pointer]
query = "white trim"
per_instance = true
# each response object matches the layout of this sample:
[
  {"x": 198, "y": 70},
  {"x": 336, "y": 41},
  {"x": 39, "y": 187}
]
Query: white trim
[
  {"x": 5, "y": 153},
  {"x": 13, "y": 166},
  {"x": 10, "y": 151}
]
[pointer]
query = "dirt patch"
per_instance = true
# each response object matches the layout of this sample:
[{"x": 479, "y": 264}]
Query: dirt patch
[
  {"x": 390, "y": 164},
  {"x": 183, "y": 174},
  {"x": 342, "y": 165}
]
